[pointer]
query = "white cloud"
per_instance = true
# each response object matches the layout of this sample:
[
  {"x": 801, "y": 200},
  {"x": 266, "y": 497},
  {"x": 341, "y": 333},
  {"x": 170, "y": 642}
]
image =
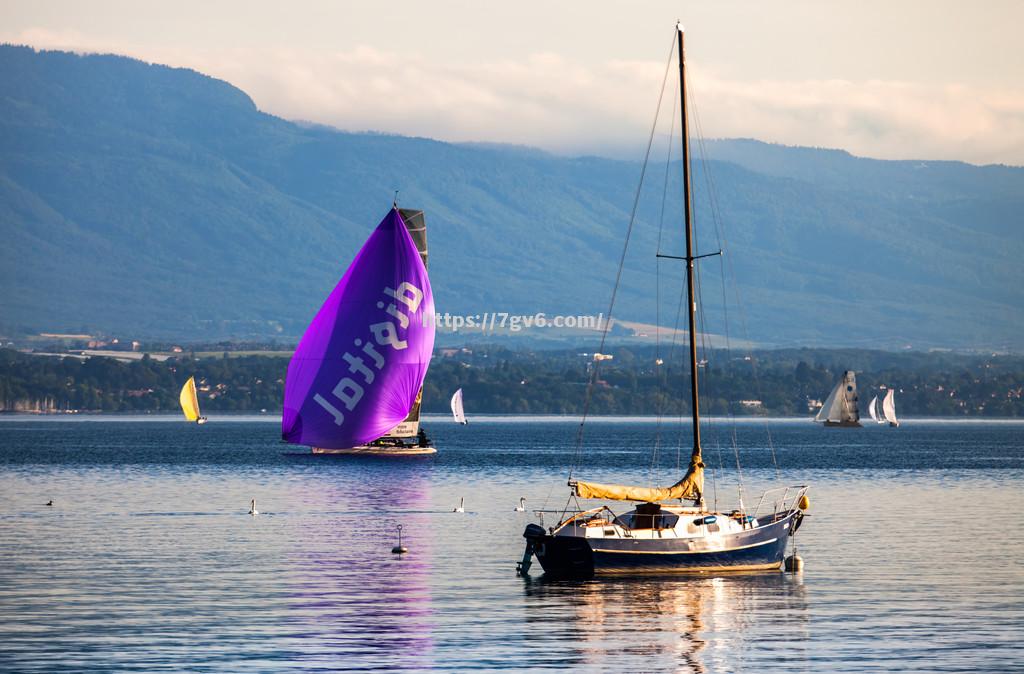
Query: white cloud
[{"x": 551, "y": 102}]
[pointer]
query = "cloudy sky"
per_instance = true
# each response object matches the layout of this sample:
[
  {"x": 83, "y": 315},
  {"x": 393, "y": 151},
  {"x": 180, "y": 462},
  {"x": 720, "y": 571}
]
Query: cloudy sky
[{"x": 921, "y": 79}]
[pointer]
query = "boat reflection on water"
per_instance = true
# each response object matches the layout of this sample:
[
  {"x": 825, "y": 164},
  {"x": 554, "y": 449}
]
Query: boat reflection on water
[
  {"x": 352, "y": 599},
  {"x": 681, "y": 623}
]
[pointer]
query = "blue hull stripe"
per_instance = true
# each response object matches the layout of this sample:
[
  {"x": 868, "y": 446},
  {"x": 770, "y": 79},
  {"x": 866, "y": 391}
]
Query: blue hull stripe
[
  {"x": 682, "y": 552},
  {"x": 763, "y": 555}
]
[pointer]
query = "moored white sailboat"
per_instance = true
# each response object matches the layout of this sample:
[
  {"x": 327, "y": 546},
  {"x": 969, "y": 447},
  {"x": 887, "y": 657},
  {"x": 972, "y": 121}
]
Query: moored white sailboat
[{"x": 656, "y": 535}]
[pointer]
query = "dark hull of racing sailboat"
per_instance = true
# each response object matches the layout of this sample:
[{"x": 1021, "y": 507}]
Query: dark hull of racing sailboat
[
  {"x": 755, "y": 549},
  {"x": 386, "y": 446},
  {"x": 375, "y": 450},
  {"x": 843, "y": 424}
]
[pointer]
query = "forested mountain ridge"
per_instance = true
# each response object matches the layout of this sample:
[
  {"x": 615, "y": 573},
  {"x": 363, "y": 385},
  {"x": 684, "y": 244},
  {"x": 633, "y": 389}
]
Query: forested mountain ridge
[{"x": 160, "y": 202}]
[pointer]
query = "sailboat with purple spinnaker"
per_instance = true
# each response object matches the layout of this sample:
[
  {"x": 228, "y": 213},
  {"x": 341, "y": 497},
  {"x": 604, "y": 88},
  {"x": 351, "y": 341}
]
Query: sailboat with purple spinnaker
[{"x": 356, "y": 377}]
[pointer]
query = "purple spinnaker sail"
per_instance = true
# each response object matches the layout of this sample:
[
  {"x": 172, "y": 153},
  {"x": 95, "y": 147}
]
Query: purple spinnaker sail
[{"x": 358, "y": 368}]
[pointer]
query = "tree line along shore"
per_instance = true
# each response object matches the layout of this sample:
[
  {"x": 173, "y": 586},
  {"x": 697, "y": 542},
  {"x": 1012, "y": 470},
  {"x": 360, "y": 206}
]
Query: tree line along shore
[{"x": 498, "y": 380}]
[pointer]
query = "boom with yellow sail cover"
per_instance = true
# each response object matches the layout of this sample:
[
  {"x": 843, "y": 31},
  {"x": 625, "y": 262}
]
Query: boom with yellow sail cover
[
  {"x": 690, "y": 487},
  {"x": 190, "y": 402}
]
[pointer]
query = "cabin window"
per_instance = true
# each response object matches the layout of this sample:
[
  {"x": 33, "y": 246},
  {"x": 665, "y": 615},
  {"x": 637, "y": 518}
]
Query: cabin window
[
  {"x": 652, "y": 521},
  {"x": 713, "y": 528},
  {"x": 667, "y": 521}
]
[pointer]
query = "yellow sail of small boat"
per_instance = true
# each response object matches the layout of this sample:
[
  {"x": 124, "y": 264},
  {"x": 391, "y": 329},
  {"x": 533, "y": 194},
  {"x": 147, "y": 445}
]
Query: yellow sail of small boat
[{"x": 189, "y": 401}]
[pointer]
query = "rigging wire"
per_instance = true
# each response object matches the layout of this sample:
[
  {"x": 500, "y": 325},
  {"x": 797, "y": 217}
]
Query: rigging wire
[
  {"x": 657, "y": 287},
  {"x": 724, "y": 266},
  {"x": 671, "y": 356},
  {"x": 715, "y": 216},
  {"x": 707, "y": 354},
  {"x": 618, "y": 276}
]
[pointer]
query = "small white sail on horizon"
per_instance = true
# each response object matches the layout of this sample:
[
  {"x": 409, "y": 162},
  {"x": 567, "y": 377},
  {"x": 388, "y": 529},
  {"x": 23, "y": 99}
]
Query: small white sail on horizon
[
  {"x": 889, "y": 408},
  {"x": 457, "y": 411},
  {"x": 830, "y": 408},
  {"x": 873, "y": 411}
]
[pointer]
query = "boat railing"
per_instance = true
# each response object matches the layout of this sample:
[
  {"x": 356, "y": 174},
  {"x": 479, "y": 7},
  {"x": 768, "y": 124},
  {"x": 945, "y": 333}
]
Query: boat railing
[
  {"x": 780, "y": 499},
  {"x": 575, "y": 515}
]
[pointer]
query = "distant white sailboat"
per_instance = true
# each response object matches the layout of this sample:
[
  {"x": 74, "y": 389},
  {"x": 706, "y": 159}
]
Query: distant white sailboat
[
  {"x": 190, "y": 402},
  {"x": 840, "y": 408},
  {"x": 457, "y": 411},
  {"x": 889, "y": 408},
  {"x": 873, "y": 411}
]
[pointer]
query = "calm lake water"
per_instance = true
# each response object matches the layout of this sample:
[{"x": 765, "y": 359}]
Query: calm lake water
[{"x": 149, "y": 562}]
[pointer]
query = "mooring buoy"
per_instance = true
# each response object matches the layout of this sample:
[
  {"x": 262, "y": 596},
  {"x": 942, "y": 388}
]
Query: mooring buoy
[
  {"x": 399, "y": 549},
  {"x": 794, "y": 564}
]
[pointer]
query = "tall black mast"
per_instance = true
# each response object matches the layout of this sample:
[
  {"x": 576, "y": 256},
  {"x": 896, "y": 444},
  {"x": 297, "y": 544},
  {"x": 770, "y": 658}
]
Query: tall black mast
[{"x": 688, "y": 210}]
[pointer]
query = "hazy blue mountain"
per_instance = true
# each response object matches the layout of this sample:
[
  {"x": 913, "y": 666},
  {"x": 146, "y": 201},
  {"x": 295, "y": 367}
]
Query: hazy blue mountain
[{"x": 157, "y": 201}]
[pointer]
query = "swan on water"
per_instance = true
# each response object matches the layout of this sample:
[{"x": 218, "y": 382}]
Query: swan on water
[
  {"x": 462, "y": 506},
  {"x": 252, "y": 508},
  {"x": 521, "y": 508}
]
